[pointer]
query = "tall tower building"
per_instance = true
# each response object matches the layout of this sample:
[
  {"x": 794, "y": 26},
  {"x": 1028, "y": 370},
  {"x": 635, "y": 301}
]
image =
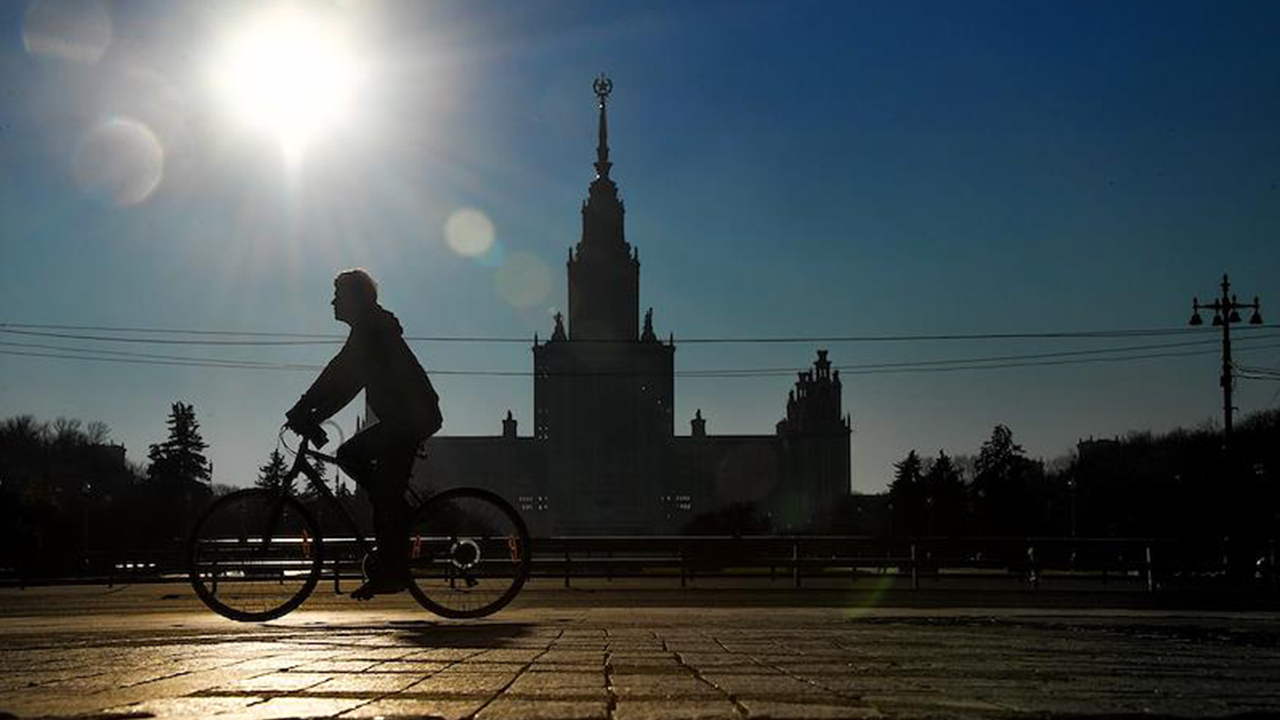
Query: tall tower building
[
  {"x": 603, "y": 389},
  {"x": 604, "y": 456}
]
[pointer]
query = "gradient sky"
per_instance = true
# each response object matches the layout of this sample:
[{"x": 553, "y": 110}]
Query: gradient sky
[{"x": 789, "y": 168}]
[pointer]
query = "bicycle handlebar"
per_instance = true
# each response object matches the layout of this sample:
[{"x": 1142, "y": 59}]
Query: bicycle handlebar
[{"x": 311, "y": 433}]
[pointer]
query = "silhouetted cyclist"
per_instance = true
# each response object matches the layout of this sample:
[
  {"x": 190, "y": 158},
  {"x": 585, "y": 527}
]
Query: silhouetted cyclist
[{"x": 399, "y": 395}]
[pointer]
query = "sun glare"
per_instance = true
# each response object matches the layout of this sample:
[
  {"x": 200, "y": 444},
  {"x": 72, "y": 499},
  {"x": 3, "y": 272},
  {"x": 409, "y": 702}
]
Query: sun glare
[{"x": 290, "y": 73}]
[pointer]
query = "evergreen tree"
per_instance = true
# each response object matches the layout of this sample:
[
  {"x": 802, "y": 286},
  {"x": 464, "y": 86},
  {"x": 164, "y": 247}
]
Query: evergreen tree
[
  {"x": 271, "y": 476},
  {"x": 340, "y": 487},
  {"x": 180, "y": 459},
  {"x": 998, "y": 455},
  {"x": 945, "y": 498},
  {"x": 906, "y": 499},
  {"x": 322, "y": 469},
  {"x": 1002, "y": 475}
]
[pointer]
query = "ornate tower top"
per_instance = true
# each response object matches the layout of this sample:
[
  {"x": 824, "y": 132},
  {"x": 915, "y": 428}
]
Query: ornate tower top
[
  {"x": 604, "y": 270},
  {"x": 814, "y": 405},
  {"x": 603, "y": 86},
  {"x": 602, "y": 212}
]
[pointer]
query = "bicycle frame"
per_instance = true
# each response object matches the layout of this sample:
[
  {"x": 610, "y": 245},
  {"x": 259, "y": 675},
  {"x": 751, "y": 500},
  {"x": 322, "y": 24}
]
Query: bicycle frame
[{"x": 302, "y": 467}]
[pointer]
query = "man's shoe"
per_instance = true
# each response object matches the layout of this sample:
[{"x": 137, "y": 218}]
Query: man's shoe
[{"x": 380, "y": 586}]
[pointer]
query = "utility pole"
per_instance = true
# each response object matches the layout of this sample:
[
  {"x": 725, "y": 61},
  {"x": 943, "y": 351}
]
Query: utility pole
[{"x": 1226, "y": 310}]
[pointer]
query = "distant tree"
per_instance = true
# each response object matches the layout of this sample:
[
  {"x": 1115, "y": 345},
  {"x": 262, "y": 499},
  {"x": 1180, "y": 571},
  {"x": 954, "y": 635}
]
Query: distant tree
[
  {"x": 946, "y": 500},
  {"x": 23, "y": 428},
  {"x": 271, "y": 476},
  {"x": 23, "y": 443},
  {"x": 97, "y": 433},
  {"x": 67, "y": 433},
  {"x": 1001, "y": 482},
  {"x": 64, "y": 495},
  {"x": 180, "y": 459},
  {"x": 998, "y": 455},
  {"x": 306, "y": 491},
  {"x": 906, "y": 496}
]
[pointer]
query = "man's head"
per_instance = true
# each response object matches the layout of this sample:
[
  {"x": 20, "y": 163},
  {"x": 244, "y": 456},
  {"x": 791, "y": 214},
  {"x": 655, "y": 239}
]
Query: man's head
[{"x": 354, "y": 294}]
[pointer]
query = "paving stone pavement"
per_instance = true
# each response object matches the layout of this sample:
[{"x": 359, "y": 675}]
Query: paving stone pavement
[{"x": 67, "y": 654}]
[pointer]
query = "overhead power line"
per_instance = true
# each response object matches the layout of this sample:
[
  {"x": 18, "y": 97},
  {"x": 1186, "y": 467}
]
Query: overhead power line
[
  {"x": 1070, "y": 357},
  {"x": 1256, "y": 373},
  {"x": 160, "y": 341},
  {"x": 991, "y": 359},
  {"x": 145, "y": 335}
]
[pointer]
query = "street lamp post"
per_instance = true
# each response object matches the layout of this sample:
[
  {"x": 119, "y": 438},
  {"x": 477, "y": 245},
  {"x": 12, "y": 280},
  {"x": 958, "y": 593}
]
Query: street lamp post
[{"x": 1226, "y": 310}]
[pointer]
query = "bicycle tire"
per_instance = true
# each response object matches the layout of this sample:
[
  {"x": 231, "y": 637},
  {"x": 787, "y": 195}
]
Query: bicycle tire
[
  {"x": 254, "y": 555},
  {"x": 469, "y": 553}
]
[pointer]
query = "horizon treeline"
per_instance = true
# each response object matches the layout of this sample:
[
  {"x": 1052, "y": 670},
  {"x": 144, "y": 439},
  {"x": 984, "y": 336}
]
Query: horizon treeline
[
  {"x": 1179, "y": 484},
  {"x": 71, "y": 503}
]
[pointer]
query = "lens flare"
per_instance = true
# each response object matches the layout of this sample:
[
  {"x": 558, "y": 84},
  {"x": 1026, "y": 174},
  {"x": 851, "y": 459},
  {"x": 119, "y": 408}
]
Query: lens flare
[
  {"x": 523, "y": 280},
  {"x": 469, "y": 232},
  {"x": 864, "y": 601},
  {"x": 493, "y": 257},
  {"x": 75, "y": 30},
  {"x": 119, "y": 160}
]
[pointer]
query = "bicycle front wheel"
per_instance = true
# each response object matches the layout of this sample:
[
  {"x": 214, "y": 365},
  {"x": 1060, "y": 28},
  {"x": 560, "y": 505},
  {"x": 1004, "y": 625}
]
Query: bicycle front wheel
[
  {"x": 255, "y": 555},
  {"x": 469, "y": 553}
]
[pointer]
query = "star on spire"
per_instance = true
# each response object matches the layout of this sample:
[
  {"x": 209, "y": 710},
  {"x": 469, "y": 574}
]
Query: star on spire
[{"x": 603, "y": 86}]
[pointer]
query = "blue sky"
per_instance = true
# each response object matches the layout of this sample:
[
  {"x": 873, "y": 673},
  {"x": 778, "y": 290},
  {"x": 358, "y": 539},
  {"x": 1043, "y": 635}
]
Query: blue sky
[{"x": 798, "y": 168}]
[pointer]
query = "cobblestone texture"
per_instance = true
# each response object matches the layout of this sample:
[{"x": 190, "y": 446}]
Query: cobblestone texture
[{"x": 618, "y": 663}]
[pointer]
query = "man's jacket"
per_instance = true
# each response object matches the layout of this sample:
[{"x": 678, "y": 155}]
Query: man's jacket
[{"x": 376, "y": 359}]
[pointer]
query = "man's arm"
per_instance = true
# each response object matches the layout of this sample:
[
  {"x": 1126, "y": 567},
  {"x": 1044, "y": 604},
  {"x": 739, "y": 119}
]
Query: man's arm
[{"x": 337, "y": 385}]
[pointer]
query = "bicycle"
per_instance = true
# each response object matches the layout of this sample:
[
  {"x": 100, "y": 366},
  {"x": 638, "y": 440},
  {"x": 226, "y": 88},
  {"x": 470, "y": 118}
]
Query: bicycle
[{"x": 256, "y": 554}]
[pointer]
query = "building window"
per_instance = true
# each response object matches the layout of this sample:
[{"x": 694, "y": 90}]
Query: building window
[
  {"x": 534, "y": 503},
  {"x": 677, "y": 502}
]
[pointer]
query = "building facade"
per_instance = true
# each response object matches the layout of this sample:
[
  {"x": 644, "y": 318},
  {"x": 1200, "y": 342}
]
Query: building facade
[{"x": 604, "y": 456}]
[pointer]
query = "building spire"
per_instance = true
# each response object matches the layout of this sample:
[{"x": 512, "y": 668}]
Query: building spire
[
  {"x": 603, "y": 86},
  {"x": 602, "y": 212},
  {"x": 604, "y": 272}
]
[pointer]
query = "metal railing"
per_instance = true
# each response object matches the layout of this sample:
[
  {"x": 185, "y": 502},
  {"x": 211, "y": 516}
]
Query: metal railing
[{"x": 800, "y": 560}]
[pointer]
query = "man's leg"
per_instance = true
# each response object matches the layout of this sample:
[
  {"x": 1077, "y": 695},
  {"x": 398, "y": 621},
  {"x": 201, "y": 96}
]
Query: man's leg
[
  {"x": 380, "y": 459},
  {"x": 390, "y": 513}
]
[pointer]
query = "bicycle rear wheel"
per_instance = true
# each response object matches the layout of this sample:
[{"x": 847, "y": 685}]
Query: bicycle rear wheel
[
  {"x": 255, "y": 555},
  {"x": 469, "y": 553}
]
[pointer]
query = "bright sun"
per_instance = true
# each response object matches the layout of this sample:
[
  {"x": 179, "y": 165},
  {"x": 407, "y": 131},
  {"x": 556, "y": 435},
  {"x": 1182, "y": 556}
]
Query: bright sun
[{"x": 290, "y": 73}]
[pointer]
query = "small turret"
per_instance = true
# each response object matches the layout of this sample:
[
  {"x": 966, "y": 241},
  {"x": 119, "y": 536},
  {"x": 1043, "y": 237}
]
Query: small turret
[
  {"x": 814, "y": 405},
  {"x": 558, "y": 333},
  {"x": 699, "y": 425},
  {"x": 647, "y": 335}
]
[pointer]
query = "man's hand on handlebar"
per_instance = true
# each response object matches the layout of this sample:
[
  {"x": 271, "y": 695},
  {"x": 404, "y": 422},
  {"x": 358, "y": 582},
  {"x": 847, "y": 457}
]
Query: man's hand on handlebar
[{"x": 307, "y": 429}]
